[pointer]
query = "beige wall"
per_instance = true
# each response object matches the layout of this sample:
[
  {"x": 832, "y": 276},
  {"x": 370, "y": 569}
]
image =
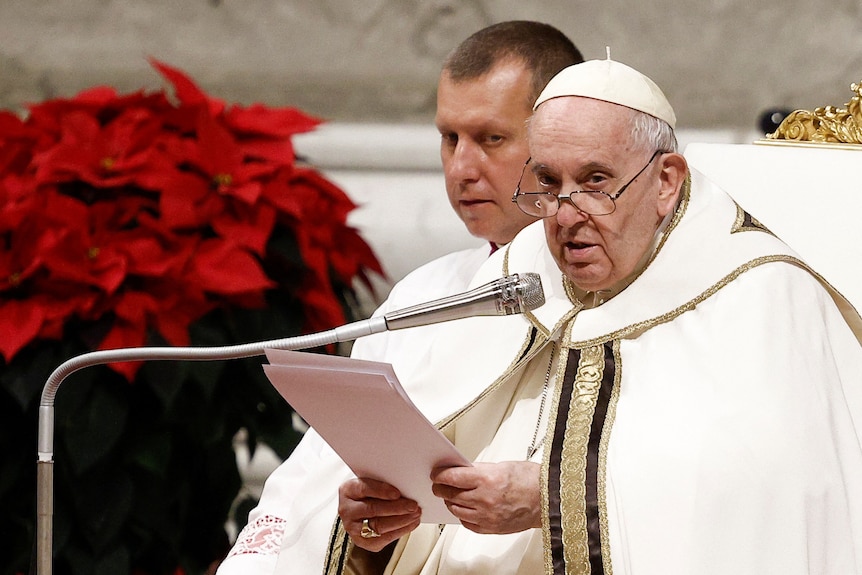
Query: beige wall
[{"x": 721, "y": 62}]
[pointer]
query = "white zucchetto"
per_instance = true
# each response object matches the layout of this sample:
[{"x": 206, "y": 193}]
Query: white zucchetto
[{"x": 613, "y": 82}]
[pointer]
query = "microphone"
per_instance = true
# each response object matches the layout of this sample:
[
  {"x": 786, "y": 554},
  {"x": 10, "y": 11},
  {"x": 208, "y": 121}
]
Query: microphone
[
  {"x": 505, "y": 296},
  {"x": 511, "y": 294}
]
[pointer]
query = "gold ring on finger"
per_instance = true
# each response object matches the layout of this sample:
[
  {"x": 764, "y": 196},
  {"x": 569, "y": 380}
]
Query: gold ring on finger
[{"x": 368, "y": 532}]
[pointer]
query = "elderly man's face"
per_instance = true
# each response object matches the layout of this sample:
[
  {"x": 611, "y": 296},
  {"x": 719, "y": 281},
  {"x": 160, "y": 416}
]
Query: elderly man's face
[
  {"x": 483, "y": 129},
  {"x": 580, "y": 143}
]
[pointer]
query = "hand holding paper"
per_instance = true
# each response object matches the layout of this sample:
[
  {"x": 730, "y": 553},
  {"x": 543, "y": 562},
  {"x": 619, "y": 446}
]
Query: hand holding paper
[
  {"x": 368, "y": 504},
  {"x": 361, "y": 410},
  {"x": 500, "y": 497}
]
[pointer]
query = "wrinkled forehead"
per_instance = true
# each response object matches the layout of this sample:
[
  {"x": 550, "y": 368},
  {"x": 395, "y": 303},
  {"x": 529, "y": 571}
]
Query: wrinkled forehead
[{"x": 575, "y": 122}]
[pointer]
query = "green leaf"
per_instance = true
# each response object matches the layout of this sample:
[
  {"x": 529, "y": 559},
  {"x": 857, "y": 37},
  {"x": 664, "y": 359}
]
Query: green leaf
[
  {"x": 152, "y": 452},
  {"x": 207, "y": 376},
  {"x": 25, "y": 377},
  {"x": 113, "y": 563},
  {"x": 93, "y": 417},
  {"x": 166, "y": 379},
  {"x": 84, "y": 562},
  {"x": 103, "y": 499}
]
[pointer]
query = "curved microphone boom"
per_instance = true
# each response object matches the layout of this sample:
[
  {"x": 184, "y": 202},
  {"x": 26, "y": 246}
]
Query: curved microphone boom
[{"x": 512, "y": 294}]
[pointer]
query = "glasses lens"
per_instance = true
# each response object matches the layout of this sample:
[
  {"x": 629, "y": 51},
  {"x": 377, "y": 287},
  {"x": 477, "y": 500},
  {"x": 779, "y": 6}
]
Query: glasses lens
[
  {"x": 535, "y": 201},
  {"x": 532, "y": 200},
  {"x": 593, "y": 203},
  {"x": 540, "y": 205}
]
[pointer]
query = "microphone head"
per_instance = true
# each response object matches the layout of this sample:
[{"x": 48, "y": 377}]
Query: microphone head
[{"x": 530, "y": 292}]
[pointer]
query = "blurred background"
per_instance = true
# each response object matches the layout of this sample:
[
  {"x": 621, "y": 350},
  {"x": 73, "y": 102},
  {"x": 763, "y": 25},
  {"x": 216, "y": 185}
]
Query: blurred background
[
  {"x": 721, "y": 62},
  {"x": 369, "y": 69}
]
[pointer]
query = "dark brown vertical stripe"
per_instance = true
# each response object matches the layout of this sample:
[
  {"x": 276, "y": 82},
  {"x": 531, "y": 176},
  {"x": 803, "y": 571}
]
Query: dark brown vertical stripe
[
  {"x": 554, "y": 496},
  {"x": 343, "y": 555}
]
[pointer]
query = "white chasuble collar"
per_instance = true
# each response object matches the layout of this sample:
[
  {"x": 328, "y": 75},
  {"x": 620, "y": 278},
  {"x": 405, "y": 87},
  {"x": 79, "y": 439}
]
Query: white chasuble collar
[{"x": 706, "y": 245}]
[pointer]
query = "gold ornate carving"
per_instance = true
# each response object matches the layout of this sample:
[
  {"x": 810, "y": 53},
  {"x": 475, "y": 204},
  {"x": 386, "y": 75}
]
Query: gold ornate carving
[{"x": 825, "y": 125}]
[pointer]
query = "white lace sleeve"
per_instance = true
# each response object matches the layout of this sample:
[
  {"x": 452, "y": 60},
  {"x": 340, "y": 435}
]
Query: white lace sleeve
[{"x": 262, "y": 536}]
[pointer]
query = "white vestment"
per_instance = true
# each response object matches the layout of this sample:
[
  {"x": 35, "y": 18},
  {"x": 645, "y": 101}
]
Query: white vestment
[
  {"x": 705, "y": 420},
  {"x": 288, "y": 531}
]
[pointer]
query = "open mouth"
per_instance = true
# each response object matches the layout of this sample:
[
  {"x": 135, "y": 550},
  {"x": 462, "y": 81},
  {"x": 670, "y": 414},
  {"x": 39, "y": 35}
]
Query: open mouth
[{"x": 578, "y": 252}]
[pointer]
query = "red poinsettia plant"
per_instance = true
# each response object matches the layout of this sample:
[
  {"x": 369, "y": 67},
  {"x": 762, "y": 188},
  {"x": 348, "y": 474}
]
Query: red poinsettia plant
[{"x": 155, "y": 218}]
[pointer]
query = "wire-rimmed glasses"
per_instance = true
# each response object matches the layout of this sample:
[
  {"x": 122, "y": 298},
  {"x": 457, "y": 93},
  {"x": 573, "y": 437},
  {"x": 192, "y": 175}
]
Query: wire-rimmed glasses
[{"x": 535, "y": 201}]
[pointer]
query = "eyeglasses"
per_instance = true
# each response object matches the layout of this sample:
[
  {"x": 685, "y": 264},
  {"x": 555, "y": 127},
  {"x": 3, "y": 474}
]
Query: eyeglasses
[{"x": 546, "y": 204}]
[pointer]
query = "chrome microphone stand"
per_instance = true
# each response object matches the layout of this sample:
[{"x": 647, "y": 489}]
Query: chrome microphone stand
[
  {"x": 45, "y": 462},
  {"x": 512, "y": 294}
]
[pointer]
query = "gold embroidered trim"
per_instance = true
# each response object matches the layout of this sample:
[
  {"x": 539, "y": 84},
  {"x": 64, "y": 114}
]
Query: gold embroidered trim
[
  {"x": 538, "y": 344},
  {"x": 525, "y": 352},
  {"x": 541, "y": 340},
  {"x": 562, "y": 362},
  {"x": 573, "y": 466},
  {"x": 745, "y": 222},
  {"x": 848, "y": 311},
  {"x": 338, "y": 537},
  {"x": 684, "y": 198},
  {"x": 527, "y": 313},
  {"x": 546, "y": 461},
  {"x": 570, "y": 292},
  {"x": 690, "y": 305},
  {"x": 546, "y": 495},
  {"x": 602, "y": 472}
]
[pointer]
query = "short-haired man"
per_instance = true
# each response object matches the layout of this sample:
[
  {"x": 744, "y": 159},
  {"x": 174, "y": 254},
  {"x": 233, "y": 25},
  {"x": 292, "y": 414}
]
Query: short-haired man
[
  {"x": 485, "y": 95},
  {"x": 686, "y": 401}
]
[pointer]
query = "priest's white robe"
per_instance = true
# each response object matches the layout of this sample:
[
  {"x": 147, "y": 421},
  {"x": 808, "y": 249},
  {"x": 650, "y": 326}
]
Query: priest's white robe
[
  {"x": 705, "y": 420},
  {"x": 288, "y": 531}
]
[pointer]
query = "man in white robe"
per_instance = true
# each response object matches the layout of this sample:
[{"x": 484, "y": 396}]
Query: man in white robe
[
  {"x": 484, "y": 98},
  {"x": 696, "y": 389}
]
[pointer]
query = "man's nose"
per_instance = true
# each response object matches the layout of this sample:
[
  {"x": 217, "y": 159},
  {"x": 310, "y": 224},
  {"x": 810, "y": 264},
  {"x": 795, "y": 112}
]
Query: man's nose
[
  {"x": 568, "y": 214},
  {"x": 466, "y": 161}
]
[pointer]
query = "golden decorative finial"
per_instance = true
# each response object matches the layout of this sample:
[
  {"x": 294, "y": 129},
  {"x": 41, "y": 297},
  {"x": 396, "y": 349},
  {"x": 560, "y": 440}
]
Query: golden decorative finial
[{"x": 824, "y": 125}]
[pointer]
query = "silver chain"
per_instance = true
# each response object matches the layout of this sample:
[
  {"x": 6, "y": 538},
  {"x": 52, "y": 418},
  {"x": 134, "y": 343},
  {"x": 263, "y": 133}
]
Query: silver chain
[{"x": 533, "y": 448}]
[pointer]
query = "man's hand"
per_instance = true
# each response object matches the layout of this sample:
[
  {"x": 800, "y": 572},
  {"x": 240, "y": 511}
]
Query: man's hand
[
  {"x": 388, "y": 514},
  {"x": 492, "y": 497}
]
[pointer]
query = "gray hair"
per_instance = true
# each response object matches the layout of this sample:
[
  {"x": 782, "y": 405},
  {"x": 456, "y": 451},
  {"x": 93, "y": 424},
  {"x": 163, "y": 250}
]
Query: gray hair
[
  {"x": 648, "y": 132},
  {"x": 652, "y": 134}
]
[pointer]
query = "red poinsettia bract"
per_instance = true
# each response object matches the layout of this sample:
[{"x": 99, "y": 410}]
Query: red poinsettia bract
[{"x": 148, "y": 213}]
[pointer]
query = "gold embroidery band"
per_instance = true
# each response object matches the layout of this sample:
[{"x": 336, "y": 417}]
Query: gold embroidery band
[
  {"x": 574, "y": 474},
  {"x": 337, "y": 551}
]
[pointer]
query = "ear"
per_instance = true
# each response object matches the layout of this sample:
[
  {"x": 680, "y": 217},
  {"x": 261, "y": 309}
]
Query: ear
[{"x": 673, "y": 171}]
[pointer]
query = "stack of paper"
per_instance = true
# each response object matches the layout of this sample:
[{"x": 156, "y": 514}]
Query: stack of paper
[{"x": 360, "y": 409}]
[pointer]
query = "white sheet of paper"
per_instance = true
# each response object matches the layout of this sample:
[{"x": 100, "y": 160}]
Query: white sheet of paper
[{"x": 360, "y": 409}]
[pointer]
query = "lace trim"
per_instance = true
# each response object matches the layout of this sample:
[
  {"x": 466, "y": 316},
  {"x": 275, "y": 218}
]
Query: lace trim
[{"x": 261, "y": 537}]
